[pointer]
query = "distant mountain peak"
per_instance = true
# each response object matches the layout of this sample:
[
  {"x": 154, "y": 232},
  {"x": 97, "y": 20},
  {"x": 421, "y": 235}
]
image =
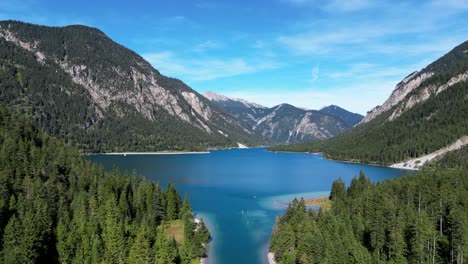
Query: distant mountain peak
[
  {"x": 332, "y": 106},
  {"x": 351, "y": 119},
  {"x": 284, "y": 123},
  {"x": 213, "y": 96}
]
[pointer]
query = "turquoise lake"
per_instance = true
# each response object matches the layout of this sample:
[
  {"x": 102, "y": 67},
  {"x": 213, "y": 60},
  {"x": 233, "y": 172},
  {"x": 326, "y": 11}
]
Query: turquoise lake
[{"x": 240, "y": 192}]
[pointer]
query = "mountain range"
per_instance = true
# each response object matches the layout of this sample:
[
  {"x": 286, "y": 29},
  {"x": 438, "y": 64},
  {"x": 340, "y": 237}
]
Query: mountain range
[
  {"x": 76, "y": 84},
  {"x": 79, "y": 85},
  {"x": 424, "y": 118},
  {"x": 285, "y": 123}
]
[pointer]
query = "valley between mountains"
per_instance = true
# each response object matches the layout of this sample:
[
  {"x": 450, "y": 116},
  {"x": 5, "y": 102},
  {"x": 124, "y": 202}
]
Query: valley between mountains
[{"x": 66, "y": 92}]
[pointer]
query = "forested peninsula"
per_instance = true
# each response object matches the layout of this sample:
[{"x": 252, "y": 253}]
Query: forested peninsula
[{"x": 56, "y": 207}]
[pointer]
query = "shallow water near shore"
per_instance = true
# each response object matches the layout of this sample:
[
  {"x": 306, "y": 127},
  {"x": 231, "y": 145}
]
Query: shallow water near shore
[{"x": 240, "y": 192}]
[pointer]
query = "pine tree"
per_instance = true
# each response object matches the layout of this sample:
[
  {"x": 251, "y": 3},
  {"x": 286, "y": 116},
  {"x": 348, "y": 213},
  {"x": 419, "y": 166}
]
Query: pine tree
[
  {"x": 140, "y": 252},
  {"x": 173, "y": 203}
]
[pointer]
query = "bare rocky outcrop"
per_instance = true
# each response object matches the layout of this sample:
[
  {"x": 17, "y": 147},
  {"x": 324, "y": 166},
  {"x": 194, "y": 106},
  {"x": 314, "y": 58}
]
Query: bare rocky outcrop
[
  {"x": 298, "y": 125},
  {"x": 424, "y": 94},
  {"x": 402, "y": 89},
  {"x": 9, "y": 36},
  {"x": 284, "y": 123}
]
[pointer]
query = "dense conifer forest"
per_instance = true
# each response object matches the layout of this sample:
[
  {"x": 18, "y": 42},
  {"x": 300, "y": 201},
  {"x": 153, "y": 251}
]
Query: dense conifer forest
[
  {"x": 56, "y": 207},
  {"x": 420, "y": 218},
  {"x": 454, "y": 159}
]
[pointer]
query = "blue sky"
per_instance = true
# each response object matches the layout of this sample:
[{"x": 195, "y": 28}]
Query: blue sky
[{"x": 309, "y": 53}]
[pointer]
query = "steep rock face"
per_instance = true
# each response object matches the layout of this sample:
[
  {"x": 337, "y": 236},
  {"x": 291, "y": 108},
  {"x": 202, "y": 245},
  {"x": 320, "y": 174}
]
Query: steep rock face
[
  {"x": 420, "y": 86},
  {"x": 402, "y": 89},
  {"x": 282, "y": 124},
  {"x": 114, "y": 84},
  {"x": 286, "y": 124},
  {"x": 424, "y": 93}
]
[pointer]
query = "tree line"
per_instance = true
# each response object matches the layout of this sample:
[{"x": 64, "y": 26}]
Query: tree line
[
  {"x": 56, "y": 207},
  {"x": 421, "y": 218}
]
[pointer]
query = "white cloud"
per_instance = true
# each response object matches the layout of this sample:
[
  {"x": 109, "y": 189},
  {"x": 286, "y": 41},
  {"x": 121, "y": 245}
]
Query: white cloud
[
  {"x": 325, "y": 39},
  {"x": 205, "y": 69},
  {"x": 348, "y": 5},
  {"x": 402, "y": 28},
  {"x": 208, "y": 45},
  {"x": 359, "y": 72},
  {"x": 335, "y": 5}
]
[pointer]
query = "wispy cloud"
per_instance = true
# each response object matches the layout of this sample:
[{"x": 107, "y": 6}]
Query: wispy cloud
[
  {"x": 359, "y": 72},
  {"x": 206, "y": 68},
  {"x": 335, "y": 5},
  {"x": 402, "y": 28},
  {"x": 208, "y": 45}
]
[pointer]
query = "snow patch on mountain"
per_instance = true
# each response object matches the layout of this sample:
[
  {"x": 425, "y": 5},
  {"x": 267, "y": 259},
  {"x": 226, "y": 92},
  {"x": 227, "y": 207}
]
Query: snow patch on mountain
[{"x": 212, "y": 96}]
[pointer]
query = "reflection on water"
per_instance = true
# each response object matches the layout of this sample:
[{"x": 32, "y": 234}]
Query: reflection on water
[{"x": 239, "y": 193}]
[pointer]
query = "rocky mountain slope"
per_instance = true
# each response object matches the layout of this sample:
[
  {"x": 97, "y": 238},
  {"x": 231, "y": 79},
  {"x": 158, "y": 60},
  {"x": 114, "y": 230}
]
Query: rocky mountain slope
[
  {"x": 426, "y": 112},
  {"x": 79, "y": 85},
  {"x": 351, "y": 119},
  {"x": 247, "y": 112},
  {"x": 282, "y": 124},
  {"x": 417, "y": 87}
]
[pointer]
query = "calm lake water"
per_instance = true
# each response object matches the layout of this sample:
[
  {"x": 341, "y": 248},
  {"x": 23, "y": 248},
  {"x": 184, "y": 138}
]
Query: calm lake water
[{"x": 240, "y": 192}]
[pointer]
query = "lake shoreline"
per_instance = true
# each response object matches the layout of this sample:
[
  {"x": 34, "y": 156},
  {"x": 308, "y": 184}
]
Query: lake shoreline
[
  {"x": 224, "y": 183},
  {"x": 150, "y": 153},
  {"x": 271, "y": 258},
  {"x": 393, "y": 166},
  {"x": 198, "y": 217},
  {"x": 322, "y": 202},
  {"x": 165, "y": 152}
]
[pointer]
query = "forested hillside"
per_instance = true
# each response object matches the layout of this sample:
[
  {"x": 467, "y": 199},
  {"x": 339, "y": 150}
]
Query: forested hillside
[
  {"x": 454, "y": 159},
  {"x": 430, "y": 117},
  {"x": 75, "y": 83},
  {"x": 55, "y": 207},
  {"x": 421, "y": 218}
]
